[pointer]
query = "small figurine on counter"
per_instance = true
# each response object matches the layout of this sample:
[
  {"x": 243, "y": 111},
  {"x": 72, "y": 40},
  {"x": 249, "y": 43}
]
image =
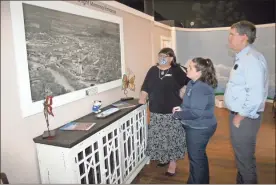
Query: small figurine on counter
[
  {"x": 47, "y": 105},
  {"x": 96, "y": 106}
]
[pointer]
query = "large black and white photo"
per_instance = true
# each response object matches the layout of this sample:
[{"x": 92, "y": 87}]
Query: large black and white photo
[
  {"x": 68, "y": 52},
  {"x": 63, "y": 50}
]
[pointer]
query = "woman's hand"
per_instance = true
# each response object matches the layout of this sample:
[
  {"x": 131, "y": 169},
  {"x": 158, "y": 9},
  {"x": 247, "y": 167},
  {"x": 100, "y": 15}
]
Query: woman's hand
[
  {"x": 143, "y": 97},
  {"x": 142, "y": 101},
  {"x": 178, "y": 108}
]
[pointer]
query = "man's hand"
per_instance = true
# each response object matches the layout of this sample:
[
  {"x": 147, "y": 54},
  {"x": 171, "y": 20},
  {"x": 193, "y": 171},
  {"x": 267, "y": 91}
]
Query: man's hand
[{"x": 237, "y": 120}]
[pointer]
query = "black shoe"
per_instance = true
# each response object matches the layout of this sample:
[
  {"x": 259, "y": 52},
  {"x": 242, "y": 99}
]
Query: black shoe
[
  {"x": 162, "y": 164},
  {"x": 169, "y": 174}
]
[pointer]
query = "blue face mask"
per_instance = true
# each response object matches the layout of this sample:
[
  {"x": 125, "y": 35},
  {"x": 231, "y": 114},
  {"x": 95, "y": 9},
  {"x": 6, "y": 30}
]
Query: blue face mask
[{"x": 162, "y": 61}]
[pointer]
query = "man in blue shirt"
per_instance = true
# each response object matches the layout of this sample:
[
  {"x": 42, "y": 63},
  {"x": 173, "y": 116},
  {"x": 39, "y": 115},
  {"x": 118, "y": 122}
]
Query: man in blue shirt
[{"x": 245, "y": 97}]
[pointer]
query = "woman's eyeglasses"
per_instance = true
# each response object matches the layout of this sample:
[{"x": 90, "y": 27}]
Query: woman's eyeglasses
[{"x": 163, "y": 56}]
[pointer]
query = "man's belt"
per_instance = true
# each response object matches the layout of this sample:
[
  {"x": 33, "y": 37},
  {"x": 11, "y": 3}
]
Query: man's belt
[{"x": 235, "y": 113}]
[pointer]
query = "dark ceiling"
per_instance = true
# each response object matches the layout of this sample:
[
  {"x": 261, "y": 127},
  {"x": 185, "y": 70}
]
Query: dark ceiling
[{"x": 209, "y": 13}]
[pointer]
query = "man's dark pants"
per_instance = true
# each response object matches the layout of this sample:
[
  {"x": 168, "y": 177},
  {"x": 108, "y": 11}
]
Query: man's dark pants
[
  {"x": 243, "y": 140},
  {"x": 197, "y": 140}
]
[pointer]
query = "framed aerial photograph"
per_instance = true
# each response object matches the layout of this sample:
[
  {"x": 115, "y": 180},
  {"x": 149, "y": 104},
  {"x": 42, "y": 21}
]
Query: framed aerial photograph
[{"x": 63, "y": 50}]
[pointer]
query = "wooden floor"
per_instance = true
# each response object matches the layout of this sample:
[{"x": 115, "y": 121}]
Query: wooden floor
[{"x": 221, "y": 159}]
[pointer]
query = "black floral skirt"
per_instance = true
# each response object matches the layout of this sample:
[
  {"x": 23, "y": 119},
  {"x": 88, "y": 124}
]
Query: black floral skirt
[{"x": 166, "y": 138}]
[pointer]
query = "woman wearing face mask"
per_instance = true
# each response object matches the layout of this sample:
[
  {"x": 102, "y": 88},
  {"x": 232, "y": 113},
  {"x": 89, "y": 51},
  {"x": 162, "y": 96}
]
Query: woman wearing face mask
[
  {"x": 166, "y": 137},
  {"x": 197, "y": 116}
]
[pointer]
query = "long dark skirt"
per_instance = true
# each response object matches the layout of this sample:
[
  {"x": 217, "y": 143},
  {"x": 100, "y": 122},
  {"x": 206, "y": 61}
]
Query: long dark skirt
[{"x": 166, "y": 138}]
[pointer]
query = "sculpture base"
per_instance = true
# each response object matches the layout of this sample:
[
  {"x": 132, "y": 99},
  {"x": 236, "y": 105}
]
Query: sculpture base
[{"x": 49, "y": 135}]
